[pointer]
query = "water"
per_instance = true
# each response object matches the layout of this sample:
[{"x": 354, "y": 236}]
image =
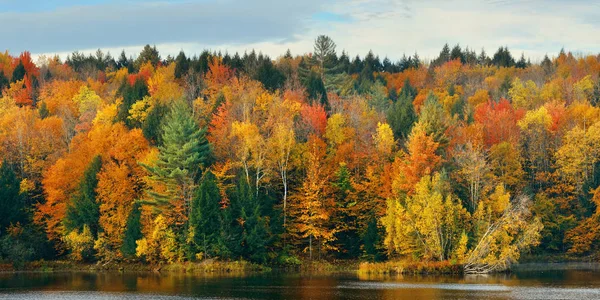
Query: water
[{"x": 558, "y": 284}]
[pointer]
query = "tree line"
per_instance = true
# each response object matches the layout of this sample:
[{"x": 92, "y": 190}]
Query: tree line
[{"x": 468, "y": 158}]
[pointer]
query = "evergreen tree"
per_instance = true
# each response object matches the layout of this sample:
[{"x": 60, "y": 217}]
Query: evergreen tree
[
  {"x": 457, "y": 53},
  {"x": 152, "y": 124},
  {"x": 503, "y": 58},
  {"x": 130, "y": 94},
  {"x": 84, "y": 209},
  {"x": 443, "y": 57},
  {"x": 182, "y": 154},
  {"x": 133, "y": 231},
  {"x": 346, "y": 237},
  {"x": 182, "y": 65},
  {"x": 271, "y": 77},
  {"x": 372, "y": 241},
  {"x": 522, "y": 63},
  {"x": 43, "y": 110},
  {"x": 148, "y": 54},
  {"x": 18, "y": 72},
  {"x": 11, "y": 201},
  {"x": 3, "y": 81},
  {"x": 124, "y": 62},
  {"x": 247, "y": 233},
  {"x": 483, "y": 59},
  {"x": 401, "y": 115},
  {"x": 205, "y": 216}
]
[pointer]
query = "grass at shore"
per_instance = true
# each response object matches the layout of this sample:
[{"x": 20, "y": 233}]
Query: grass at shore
[{"x": 408, "y": 267}]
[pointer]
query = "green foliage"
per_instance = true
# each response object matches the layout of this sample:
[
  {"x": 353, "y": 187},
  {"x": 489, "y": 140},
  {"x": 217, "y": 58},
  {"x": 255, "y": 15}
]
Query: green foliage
[
  {"x": 247, "y": 233},
  {"x": 183, "y": 152},
  {"x": 151, "y": 127},
  {"x": 84, "y": 210},
  {"x": 401, "y": 115},
  {"x": 205, "y": 219},
  {"x": 133, "y": 232},
  {"x": 130, "y": 94},
  {"x": 43, "y": 110},
  {"x": 148, "y": 54},
  {"x": 12, "y": 204},
  {"x": 18, "y": 72}
]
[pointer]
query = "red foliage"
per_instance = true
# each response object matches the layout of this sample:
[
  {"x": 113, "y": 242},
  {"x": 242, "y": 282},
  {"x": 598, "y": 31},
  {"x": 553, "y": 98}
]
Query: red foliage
[{"x": 499, "y": 121}]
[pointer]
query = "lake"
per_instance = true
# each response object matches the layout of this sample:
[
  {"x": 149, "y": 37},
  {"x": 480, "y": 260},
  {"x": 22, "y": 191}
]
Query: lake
[{"x": 569, "y": 283}]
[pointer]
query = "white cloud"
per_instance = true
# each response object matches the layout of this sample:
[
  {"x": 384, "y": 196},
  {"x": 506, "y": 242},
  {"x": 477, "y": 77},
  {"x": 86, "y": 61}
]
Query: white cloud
[{"x": 388, "y": 27}]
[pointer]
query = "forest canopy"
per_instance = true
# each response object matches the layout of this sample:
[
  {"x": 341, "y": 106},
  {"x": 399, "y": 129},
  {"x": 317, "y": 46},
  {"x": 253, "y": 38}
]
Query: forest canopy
[{"x": 465, "y": 158}]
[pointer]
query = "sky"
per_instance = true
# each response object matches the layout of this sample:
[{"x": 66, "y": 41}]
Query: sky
[{"x": 388, "y": 27}]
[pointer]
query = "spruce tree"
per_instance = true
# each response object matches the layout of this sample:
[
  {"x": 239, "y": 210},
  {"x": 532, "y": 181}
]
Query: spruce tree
[
  {"x": 205, "y": 216},
  {"x": 247, "y": 232},
  {"x": 18, "y": 72},
  {"x": 133, "y": 231},
  {"x": 182, "y": 65},
  {"x": 130, "y": 94},
  {"x": 11, "y": 200},
  {"x": 401, "y": 115},
  {"x": 84, "y": 209},
  {"x": 182, "y": 154}
]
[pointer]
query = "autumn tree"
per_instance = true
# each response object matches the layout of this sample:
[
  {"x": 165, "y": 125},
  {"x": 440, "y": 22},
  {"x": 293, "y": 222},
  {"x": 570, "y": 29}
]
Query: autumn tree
[
  {"x": 183, "y": 153},
  {"x": 503, "y": 229},
  {"x": 311, "y": 206},
  {"x": 84, "y": 209},
  {"x": 427, "y": 223}
]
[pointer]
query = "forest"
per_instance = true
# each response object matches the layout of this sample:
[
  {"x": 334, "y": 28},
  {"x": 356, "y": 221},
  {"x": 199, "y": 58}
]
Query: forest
[{"x": 468, "y": 159}]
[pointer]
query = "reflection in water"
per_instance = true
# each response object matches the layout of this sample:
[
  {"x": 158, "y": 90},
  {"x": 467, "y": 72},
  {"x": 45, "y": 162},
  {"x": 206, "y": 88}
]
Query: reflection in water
[{"x": 573, "y": 284}]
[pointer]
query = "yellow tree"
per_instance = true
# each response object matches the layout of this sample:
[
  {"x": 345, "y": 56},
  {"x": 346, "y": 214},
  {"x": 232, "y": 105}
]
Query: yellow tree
[
  {"x": 428, "y": 223},
  {"x": 503, "y": 229},
  {"x": 311, "y": 208}
]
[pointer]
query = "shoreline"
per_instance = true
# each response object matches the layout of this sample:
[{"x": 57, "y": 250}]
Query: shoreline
[{"x": 241, "y": 268}]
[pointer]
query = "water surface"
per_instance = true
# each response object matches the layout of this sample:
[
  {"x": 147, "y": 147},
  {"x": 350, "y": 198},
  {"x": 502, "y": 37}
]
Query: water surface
[{"x": 581, "y": 283}]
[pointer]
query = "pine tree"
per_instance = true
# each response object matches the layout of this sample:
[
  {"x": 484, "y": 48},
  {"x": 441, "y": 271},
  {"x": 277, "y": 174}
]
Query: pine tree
[
  {"x": 84, "y": 209},
  {"x": 182, "y": 65},
  {"x": 182, "y": 154},
  {"x": 247, "y": 232},
  {"x": 3, "y": 81},
  {"x": 133, "y": 231},
  {"x": 11, "y": 200},
  {"x": 148, "y": 54},
  {"x": 152, "y": 124},
  {"x": 401, "y": 115},
  {"x": 205, "y": 216},
  {"x": 130, "y": 94},
  {"x": 18, "y": 72}
]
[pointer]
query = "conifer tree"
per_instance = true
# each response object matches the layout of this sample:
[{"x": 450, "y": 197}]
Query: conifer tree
[
  {"x": 84, "y": 210},
  {"x": 182, "y": 154},
  {"x": 11, "y": 201},
  {"x": 205, "y": 218}
]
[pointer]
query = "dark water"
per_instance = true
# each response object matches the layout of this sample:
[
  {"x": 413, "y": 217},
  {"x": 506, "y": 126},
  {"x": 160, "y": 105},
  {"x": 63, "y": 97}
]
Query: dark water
[{"x": 558, "y": 284}]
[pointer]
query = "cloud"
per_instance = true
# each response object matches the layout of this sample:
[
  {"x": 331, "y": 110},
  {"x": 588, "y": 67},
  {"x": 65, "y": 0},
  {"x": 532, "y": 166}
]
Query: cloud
[
  {"x": 129, "y": 24},
  {"x": 388, "y": 27}
]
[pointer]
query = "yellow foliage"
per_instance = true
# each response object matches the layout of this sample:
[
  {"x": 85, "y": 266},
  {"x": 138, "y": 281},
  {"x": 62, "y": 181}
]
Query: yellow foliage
[{"x": 384, "y": 138}]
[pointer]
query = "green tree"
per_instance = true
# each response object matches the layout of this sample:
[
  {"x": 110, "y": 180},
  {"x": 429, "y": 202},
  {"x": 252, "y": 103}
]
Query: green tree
[
  {"x": 148, "y": 54},
  {"x": 205, "y": 219},
  {"x": 18, "y": 72},
  {"x": 247, "y": 231},
  {"x": 11, "y": 200},
  {"x": 401, "y": 115},
  {"x": 131, "y": 94},
  {"x": 133, "y": 232},
  {"x": 182, "y": 65},
  {"x": 84, "y": 210},
  {"x": 182, "y": 154}
]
